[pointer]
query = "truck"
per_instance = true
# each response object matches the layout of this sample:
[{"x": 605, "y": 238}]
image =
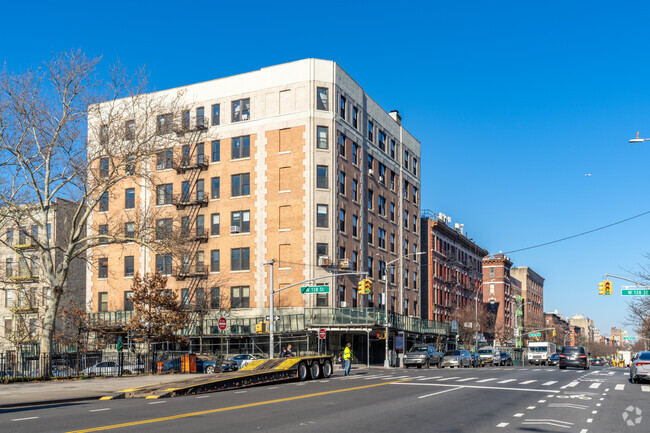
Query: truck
[
  {"x": 624, "y": 357},
  {"x": 539, "y": 353}
]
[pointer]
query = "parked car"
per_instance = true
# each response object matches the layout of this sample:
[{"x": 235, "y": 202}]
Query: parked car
[
  {"x": 112, "y": 368},
  {"x": 476, "y": 359},
  {"x": 554, "y": 359},
  {"x": 573, "y": 356},
  {"x": 242, "y": 360},
  {"x": 456, "y": 358},
  {"x": 228, "y": 365},
  {"x": 203, "y": 365},
  {"x": 640, "y": 368},
  {"x": 598, "y": 362},
  {"x": 489, "y": 355},
  {"x": 422, "y": 355},
  {"x": 506, "y": 359}
]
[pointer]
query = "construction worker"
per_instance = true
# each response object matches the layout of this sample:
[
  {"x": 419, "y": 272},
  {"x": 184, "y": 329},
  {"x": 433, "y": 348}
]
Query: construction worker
[{"x": 347, "y": 358}]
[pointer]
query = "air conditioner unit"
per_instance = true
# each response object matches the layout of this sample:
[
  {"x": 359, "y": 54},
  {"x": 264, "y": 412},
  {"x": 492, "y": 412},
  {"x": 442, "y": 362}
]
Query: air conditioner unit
[
  {"x": 381, "y": 178},
  {"x": 323, "y": 261},
  {"x": 234, "y": 229},
  {"x": 370, "y": 172},
  {"x": 344, "y": 304},
  {"x": 345, "y": 264}
]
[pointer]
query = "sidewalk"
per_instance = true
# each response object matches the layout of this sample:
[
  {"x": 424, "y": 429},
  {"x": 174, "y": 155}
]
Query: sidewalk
[{"x": 62, "y": 391}]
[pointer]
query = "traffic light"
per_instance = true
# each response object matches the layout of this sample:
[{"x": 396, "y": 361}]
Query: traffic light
[
  {"x": 365, "y": 287},
  {"x": 554, "y": 333},
  {"x": 368, "y": 287},
  {"x": 601, "y": 288},
  {"x": 381, "y": 335},
  {"x": 608, "y": 287},
  {"x": 362, "y": 286}
]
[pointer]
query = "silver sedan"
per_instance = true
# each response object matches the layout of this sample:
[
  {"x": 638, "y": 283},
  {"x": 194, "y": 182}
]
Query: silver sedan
[
  {"x": 457, "y": 358},
  {"x": 640, "y": 367}
]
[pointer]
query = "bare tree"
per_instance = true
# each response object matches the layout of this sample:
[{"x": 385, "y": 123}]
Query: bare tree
[
  {"x": 638, "y": 308},
  {"x": 471, "y": 318},
  {"x": 66, "y": 134}
]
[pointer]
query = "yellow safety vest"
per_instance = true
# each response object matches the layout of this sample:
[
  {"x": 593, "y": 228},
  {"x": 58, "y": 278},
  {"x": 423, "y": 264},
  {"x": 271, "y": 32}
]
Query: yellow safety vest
[{"x": 347, "y": 354}]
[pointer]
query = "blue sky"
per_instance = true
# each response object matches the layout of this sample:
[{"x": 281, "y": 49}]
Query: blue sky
[{"x": 513, "y": 103}]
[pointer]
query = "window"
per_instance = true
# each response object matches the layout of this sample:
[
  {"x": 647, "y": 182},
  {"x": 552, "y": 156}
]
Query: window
[
  {"x": 215, "y": 261},
  {"x": 414, "y": 167},
  {"x": 381, "y": 204},
  {"x": 10, "y": 237},
  {"x": 342, "y": 183},
  {"x": 9, "y": 267},
  {"x": 102, "y": 268},
  {"x": 355, "y": 192},
  {"x": 342, "y": 145},
  {"x": 241, "y": 110},
  {"x": 215, "y": 189},
  {"x": 406, "y": 246},
  {"x": 355, "y": 116},
  {"x": 241, "y": 219},
  {"x": 240, "y": 185},
  {"x": 215, "y": 298},
  {"x": 341, "y": 294},
  {"x": 321, "y": 300},
  {"x": 406, "y": 159},
  {"x": 9, "y": 298},
  {"x": 382, "y": 141},
  {"x": 129, "y": 129},
  {"x": 214, "y": 224},
  {"x": 392, "y": 149},
  {"x": 103, "y": 301},
  {"x": 342, "y": 221},
  {"x": 216, "y": 114},
  {"x": 371, "y": 198},
  {"x": 103, "y": 202},
  {"x": 321, "y": 99},
  {"x": 241, "y": 147},
  {"x": 128, "y": 266},
  {"x": 103, "y": 167},
  {"x": 103, "y": 231},
  {"x": 22, "y": 236},
  {"x": 200, "y": 154},
  {"x": 392, "y": 277},
  {"x": 129, "y": 168},
  {"x": 382, "y": 269},
  {"x": 321, "y": 216},
  {"x": 382, "y": 238},
  {"x": 240, "y": 297},
  {"x": 199, "y": 263},
  {"x": 216, "y": 151},
  {"x": 355, "y": 153},
  {"x": 240, "y": 259},
  {"x": 392, "y": 181},
  {"x": 355, "y": 261},
  {"x": 164, "y": 159},
  {"x": 370, "y": 131},
  {"x": 382, "y": 173},
  {"x": 185, "y": 120},
  {"x": 406, "y": 278},
  {"x": 128, "y": 301},
  {"x": 370, "y": 230},
  {"x": 406, "y": 219},
  {"x": 164, "y": 264},
  {"x": 200, "y": 118},
  {"x": 370, "y": 266},
  {"x": 164, "y": 228},
  {"x": 8, "y": 327},
  {"x": 342, "y": 107},
  {"x": 200, "y": 190},
  {"x": 355, "y": 224},
  {"x": 491, "y": 272},
  {"x": 371, "y": 163},
  {"x": 392, "y": 242},
  {"x": 164, "y": 194},
  {"x": 415, "y": 195},
  {"x": 129, "y": 230},
  {"x": 129, "y": 198},
  {"x": 415, "y": 223},
  {"x": 164, "y": 124},
  {"x": 103, "y": 134},
  {"x": 321, "y": 176},
  {"x": 392, "y": 212},
  {"x": 200, "y": 226},
  {"x": 321, "y": 251},
  {"x": 322, "y": 137}
]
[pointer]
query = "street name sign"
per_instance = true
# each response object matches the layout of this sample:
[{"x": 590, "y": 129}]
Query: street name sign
[
  {"x": 315, "y": 289},
  {"x": 635, "y": 292},
  {"x": 535, "y": 334},
  {"x": 275, "y": 318},
  {"x": 629, "y": 338}
]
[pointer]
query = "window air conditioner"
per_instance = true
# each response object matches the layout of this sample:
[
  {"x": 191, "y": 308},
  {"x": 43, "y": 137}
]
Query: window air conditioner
[
  {"x": 370, "y": 172},
  {"x": 234, "y": 229},
  {"x": 344, "y": 264},
  {"x": 381, "y": 178},
  {"x": 323, "y": 261}
]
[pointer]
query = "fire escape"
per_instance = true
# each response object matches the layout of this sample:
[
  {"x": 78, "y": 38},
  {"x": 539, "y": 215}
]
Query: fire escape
[{"x": 192, "y": 270}]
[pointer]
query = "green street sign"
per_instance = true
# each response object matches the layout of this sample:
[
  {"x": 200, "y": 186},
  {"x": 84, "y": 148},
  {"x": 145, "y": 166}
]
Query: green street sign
[
  {"x": 635, "y": 292},
  {"x": 629, "y": 338},
  {"x": 535, "y": 334},
  {"x": 315, "y": 289}
]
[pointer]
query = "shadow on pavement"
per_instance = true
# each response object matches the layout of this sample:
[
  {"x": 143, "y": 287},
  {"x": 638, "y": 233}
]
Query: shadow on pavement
[{"x": 36, "y": 407}]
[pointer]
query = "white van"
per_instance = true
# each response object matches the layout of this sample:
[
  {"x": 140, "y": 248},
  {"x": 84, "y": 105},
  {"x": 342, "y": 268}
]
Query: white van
[{"x": 540, "y": 352}]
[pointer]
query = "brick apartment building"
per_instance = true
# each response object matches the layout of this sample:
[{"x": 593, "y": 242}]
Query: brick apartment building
[
  {"x": 500, "y": 291},
  {"x": 294, "y": 162},
  {"x": 532, "y": 292},
  {"x": 452, "y": 275}
]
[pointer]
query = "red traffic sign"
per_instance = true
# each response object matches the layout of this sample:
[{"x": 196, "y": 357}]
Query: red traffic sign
[
  {"x": 222, "y": 323},
  {"x": 322, "y": 334}
]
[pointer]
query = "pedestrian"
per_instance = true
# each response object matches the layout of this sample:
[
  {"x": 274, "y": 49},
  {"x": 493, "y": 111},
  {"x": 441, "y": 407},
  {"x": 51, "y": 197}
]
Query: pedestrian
[
  {"x": 289, "y": 352},
  {"x": 284, "y": 353},
  {"x": 341, "y": 360},
  {"x": 347, "y": 358}
]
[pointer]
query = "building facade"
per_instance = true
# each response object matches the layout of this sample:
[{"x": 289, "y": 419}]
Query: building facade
[
  {"x": 452, "y": 275},
  {"x": 586, "y": 326},
  {"x": 500, "y": 291},
  {"x": 293, "y": 163},
  {"x": 532, "y": 292}
]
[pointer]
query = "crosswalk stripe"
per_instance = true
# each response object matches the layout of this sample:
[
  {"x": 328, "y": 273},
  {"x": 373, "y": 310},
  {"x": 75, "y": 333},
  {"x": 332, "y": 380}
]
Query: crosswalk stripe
[
  {"x": 417, "y": 377},
  {"x": 550, "y": 382},
  {"x": 468, "y": 378},
  {"x": 595, "y": 385},
  {"x": 507, "y": 380},
  {"x": 450, "y": 378},
  {"x": 487, "y": 380},
  {"x": 430, "y": 378},
  {"x": 619, "y": 387},
  {"x": 645, "y": 388},
  {"x": 526, "y": 382}
]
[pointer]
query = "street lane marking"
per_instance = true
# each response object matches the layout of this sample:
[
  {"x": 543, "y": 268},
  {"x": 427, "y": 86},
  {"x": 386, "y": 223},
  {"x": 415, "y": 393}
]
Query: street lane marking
[
  {"x": 594, "y": 412},
  {"x": 439, "y": 392},
  {"x": 606, "y": 389},
  {"x": 503, "y": 388},
  {"x": 550, "y": 382},
  {"x": 158, "y": 402},
  {"x": 449, "y": 378},
  {"x": 570, "y": 384},
  {"x": 24, "y": 419},
  {"x": 239, "y": 392},
  {"x": 203, "y": 396},
  {"x": 503, "y": 424},
  {"x": 584, "y": 430},
  {"x": 598, "y": 404},
  {"x": 645, "y": 388},
  {"x": 526, "y": 382},
  {"x": 225, "y": 409},
  {"x": 505, "y": 381},
  {"x": 530, "y": 407},
  {"x": 619, "y": 387},
  {"x": 486, "y": 380},
  {"x": 594, "y": 385},
  {"x": 553, "y": 422},
  {"x": 590, "y": 419},
  {"x": 542, "y": 401},
  {"x": 273, "y": 387},
  {"x": 430, "y": 378},
  {"x": 100, "y": 410},
  {"x": 468, "y": 378},
  {"x": 518, "y": 415},
  {"x": 569, "y": 405}
]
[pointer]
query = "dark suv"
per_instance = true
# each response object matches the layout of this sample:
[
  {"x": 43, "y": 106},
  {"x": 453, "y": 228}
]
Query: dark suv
[{"x": 574, "y": 356}]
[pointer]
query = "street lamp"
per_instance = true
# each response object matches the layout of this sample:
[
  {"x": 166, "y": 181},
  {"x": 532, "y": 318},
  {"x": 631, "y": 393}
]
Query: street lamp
[
  {"x": 637, "y": 139},
  {"x": 386, "y": 363}
]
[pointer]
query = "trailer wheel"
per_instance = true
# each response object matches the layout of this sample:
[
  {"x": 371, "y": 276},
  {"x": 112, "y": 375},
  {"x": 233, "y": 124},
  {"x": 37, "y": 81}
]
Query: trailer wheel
[
  {"x": 302, "y": 371},
  {"x": 327, "y": 369},
  {"x": 315, "y": 370}
]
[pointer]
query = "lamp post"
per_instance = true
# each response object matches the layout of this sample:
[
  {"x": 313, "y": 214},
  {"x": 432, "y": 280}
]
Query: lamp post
[
  {"x": 637, "y": 139},
  {"x": 386, "y": 363},
  {"x": 271, "y": 313},
  {"x": 517, "y": 320}
]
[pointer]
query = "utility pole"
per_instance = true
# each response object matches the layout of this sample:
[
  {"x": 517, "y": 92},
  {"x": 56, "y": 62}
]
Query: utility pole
[{"x": 271, "y": 321}]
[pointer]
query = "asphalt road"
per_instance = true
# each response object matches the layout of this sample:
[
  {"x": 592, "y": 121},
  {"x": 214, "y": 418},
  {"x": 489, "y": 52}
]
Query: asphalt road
[{"x": 500, "y": 399}]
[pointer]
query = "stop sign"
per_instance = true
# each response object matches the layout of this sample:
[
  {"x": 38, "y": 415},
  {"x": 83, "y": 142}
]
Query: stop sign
[
  {"x": 222, "y": 323},
  {"x": 322, "y": 334}
]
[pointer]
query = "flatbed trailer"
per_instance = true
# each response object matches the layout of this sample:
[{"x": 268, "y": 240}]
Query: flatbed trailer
[{"x": 258, "y": 372}]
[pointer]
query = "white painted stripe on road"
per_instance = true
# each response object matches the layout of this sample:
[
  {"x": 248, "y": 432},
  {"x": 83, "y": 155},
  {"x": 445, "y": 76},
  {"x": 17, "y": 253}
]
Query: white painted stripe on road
[
  {"x": 439, "y": 392},
  {"x": 590, "y": 419},
  {"x": 594, "y": 385},
  {"x": 619, "y": 387},
  {"x": 518, "y": 415},
  {"x": 450, "y": 378},
  {"x": 570, "y": 384},
  {"x": 645, "y": 388},
  {"x": 240, "y": 392},
  {"x": 158, "y": 402},
  {"x": 526, "y": 382},
  {"x": 594, "y": 412},
  {"x": 530, "y": 407},
  {"x": 24, "y": 419},
  {"x": 503, "y": 424},
  {"x": 430, "y": 378},
  {"x": 555, "y": 423},
  {"x": 542, "y": 401},
  {"x": 273, "y": 387},
  {"x": 550, "y": 382},
  {"x": 417, "y": 377},
  {"x": 486, "y": 380},
  {"x": 506, "y": 381},
  {"x": 468, "y": 378},
  {"x": 607, "y": 390},
  {"x": 100, "y": 410},
  {"x": 502, "y": 388},
  {"x": 584, "y": 430},
  {"x": 203, "y": 396}
]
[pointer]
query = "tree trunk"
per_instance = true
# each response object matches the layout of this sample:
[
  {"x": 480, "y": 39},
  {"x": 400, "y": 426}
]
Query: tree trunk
[{"x": 45, "y": 358}]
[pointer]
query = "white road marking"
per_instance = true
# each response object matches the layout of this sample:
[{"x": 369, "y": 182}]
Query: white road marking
[
  {"x": 570, "y": 384},
  {"x": 590, "y": 419},
  {"x": 594, "y": 385},
  {"x": 273, "y": 387},
  {"x": 606, "y": 389},
  {"x": 449, "y": 378},
  {"x": 645, "y": 388},
  {"x": 598, "y": 404},
  {"x": 503, "y": 424},
  {"x": 439, "y": 392},
  {"x": 100, "y": 410},
  {"x": 158, "y": 402},
  {"x": 430, "y": 378},
  {"x": 584, "y": 430},
  {"x": 530, "y": 407},
  {"x": 203, "y": 396},
  {"x": 569, "y": 405},
  {"x": 502, "y": 388},
  {"x": 594, "y": 412},
  {"x": 240, "y": 392},
  {"x": 413, "y": 378},
  {"x": 550, "y": 382},
  {"x": 541, "y": 401},
  {"x": 553, "y": 422},
  {"x": 486, "y": 380},
  {"x": 550, "y": 395},
  {"x": 602, "y": 398},
  {"x": 324, "y": 381},
  {"x": 619, "y": 387},
  {"x": 468, "y": 378},
  {"x": 505, "y": 381},
  {"x": 24, "y": 419},
  {"x": 526, "y": 382},
  {"x": 518, "y": 415}
]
